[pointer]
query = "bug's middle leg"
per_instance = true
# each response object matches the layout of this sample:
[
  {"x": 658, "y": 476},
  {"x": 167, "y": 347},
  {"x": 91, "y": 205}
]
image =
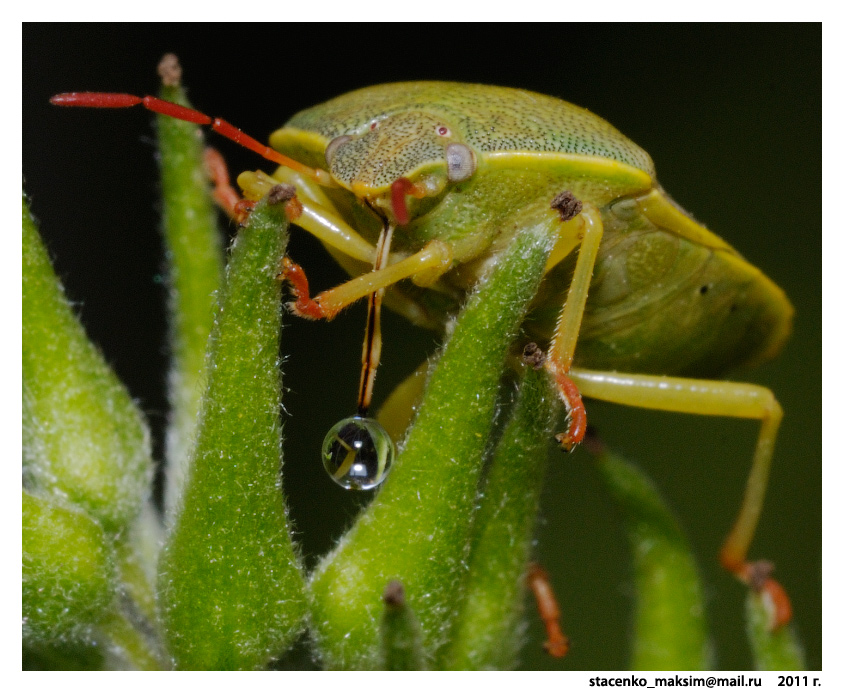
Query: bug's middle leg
[{"x": 562, "y": 348}]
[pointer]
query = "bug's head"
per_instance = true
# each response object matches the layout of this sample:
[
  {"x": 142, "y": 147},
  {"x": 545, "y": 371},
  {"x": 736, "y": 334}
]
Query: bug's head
[{"x": 398, "y": 161}]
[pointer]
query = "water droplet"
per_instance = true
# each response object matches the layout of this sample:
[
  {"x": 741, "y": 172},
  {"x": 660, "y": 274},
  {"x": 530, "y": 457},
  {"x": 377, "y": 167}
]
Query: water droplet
[{"x": 358, "y": 453}]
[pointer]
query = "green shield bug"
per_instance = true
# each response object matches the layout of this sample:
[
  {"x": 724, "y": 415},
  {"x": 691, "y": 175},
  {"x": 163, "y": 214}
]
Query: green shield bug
[{"x": 416, "y": 188}]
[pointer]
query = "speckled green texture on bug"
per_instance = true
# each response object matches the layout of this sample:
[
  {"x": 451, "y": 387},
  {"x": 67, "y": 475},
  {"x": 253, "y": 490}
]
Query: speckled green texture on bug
[
  {"x": 667, "y": 295},
  {"x": 489, "y": 119}
]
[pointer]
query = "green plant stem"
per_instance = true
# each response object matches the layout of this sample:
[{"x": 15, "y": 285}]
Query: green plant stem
[
  {"x": 230, "y": 587},
  {"x": 136, "y": 570},
  {"x": 487, "y": 632},
  {"x": 401, "y": 640},
  {"x": 670, "y": 629},
  {"x": 194, "y": 255},
  {"x": 68, "y": 572},
  {"x": 84, "y": 440},
  {"x": 127, "y": 644},
  {"x": 418, "y": 528},
  {"x": 773, "y": 650}
]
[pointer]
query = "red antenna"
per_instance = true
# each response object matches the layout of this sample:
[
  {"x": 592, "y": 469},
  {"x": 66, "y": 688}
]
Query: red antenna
[{"x": 168, "y": 108}]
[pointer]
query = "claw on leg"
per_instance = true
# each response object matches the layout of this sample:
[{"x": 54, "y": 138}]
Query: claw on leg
[
  {"x": 568, "y": 392},
  {"x": 304, "y": 306},
  {"x": 778, "y": 603}
]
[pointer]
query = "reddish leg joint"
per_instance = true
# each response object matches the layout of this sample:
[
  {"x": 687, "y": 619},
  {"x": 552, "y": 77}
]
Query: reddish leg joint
[
  {"x": 758, "y": 576},
  {"x": 777, "y": 601},
  {"x": 557, "y": 645},
  {"x": 304, "y": 306},
  {"x": 227, "y": 197}
]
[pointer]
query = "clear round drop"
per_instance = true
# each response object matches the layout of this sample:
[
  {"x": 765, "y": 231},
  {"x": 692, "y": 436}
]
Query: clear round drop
[{"x": 358, "y": 453}]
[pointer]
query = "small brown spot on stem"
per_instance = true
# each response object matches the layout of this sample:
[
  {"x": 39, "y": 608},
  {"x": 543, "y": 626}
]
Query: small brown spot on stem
[
  {"x": 281, "y": 193},
  {"x": 394, "y": 594},
  {"x": 759, "y": 573},
  {"x": 533, "y": 356},
  {"x": 170, "y": 70},
  {"x": 567, "y": 205}
]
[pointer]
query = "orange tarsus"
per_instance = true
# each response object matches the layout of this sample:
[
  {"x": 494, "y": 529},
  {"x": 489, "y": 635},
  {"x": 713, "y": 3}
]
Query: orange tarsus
[
  {"x": 757, "y": 575},
  {"x": 780, "y": 604},
  {"x": 243, "y": 209},
  {"x": 557, "y": 645},
  {"x": 575, "y": 410},
  {"x": 227, "y": 197},
  {"x": 304, "y": 306}
]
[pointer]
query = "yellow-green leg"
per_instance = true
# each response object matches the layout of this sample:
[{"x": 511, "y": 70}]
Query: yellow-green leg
[
  {"x": 432, "y": 261},
  {"x": 562, "y": 348},
  {"x": 321, "y": 220},
  {"x": 717, "y": 398}
]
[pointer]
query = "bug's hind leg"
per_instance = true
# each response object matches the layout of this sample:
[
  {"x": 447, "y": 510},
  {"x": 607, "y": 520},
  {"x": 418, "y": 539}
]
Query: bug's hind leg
[
  {"x": 716, "y": 398},
  {"x": 562, "y": 347}
]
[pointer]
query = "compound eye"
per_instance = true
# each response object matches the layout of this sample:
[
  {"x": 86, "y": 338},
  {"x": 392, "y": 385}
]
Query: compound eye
[
  {"x": 331, "y": 149},
  {"x": 460, "y": 162}
]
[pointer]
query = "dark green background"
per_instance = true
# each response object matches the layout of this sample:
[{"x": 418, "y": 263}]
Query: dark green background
[{"x": 732, "y": 118}]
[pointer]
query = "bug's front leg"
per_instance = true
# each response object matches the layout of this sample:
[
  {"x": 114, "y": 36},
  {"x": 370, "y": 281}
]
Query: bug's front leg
[
  {"x": 432, "y": 261},
  {"x": 224, "y": 194},
  {"x": 318, "y": 216},
  {"x": 718, "y": 398},
  {"x": 229, "y": 200}
]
